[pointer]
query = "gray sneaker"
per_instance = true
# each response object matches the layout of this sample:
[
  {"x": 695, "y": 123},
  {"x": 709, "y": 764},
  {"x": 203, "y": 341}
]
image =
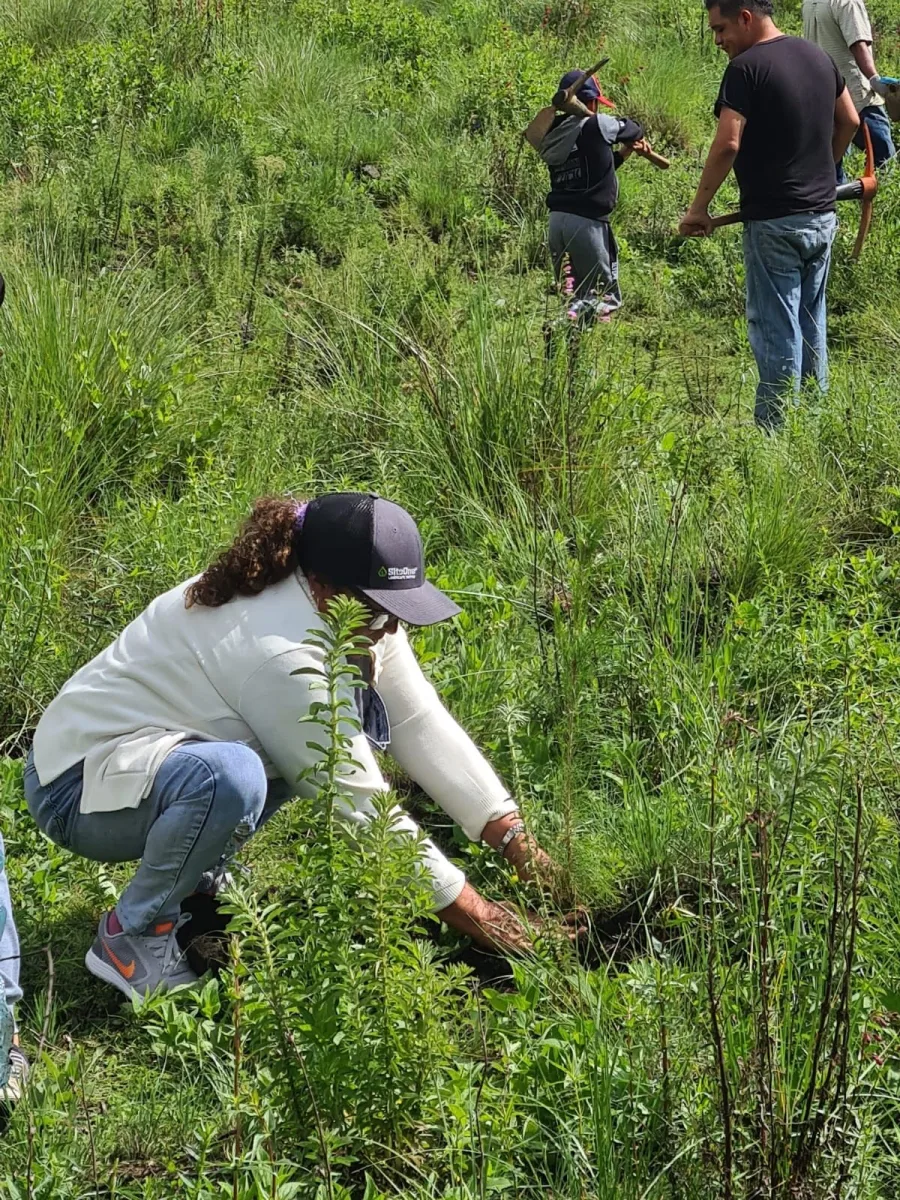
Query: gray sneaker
[
  {"x": 11, "y": 1092},
  {"x": 137, "y": 964}
]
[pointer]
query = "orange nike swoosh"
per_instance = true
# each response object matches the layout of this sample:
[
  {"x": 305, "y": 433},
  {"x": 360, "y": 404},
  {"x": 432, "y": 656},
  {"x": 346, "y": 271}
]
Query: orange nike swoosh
[{"x": 126, "y": 971}]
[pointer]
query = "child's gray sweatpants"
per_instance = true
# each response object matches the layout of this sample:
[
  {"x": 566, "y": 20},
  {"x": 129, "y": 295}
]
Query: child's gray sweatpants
[{"x": 593, "y": 255}]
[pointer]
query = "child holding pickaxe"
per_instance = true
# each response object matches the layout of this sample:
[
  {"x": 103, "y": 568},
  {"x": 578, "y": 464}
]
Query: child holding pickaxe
[{"x": 583, "y": 148}]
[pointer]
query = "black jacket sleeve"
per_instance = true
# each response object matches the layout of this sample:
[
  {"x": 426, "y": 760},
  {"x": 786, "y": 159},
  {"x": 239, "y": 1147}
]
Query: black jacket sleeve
[{"x": 631, "y": 131}]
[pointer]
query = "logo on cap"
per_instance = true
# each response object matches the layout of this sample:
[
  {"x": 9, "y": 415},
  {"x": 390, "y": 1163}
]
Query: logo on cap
[{"x": 401, "y": 572}]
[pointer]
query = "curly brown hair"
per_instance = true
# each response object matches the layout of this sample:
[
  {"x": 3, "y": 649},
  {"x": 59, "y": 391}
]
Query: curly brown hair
[{"x": 263, "y": 552}]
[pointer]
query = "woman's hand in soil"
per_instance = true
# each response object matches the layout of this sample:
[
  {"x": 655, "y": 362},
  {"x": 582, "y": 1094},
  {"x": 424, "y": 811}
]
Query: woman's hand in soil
[
  {"x": 491, "y": 925},
  {"x": 502, "y": 927}
]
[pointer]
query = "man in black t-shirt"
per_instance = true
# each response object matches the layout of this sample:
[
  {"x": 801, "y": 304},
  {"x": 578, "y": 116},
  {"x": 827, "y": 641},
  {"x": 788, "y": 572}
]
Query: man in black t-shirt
[
  {"x": 584, "y": 189},
  {"x": 785, "y": 119}
]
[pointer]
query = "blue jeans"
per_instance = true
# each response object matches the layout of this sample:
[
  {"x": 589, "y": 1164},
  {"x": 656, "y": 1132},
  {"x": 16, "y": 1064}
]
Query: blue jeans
[
  {"x": 882, "y": 143},
  {"x": 206, "y": 800},
  {"x": 786, "y": 262},
  {"x": 9, "y": 941}
]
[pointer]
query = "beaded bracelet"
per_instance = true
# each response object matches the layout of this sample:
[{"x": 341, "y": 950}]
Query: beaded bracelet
[{"x": 512, "y": 832}]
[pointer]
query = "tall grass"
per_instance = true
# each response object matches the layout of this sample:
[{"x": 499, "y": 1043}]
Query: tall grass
[{"x": 266, "y": 246}]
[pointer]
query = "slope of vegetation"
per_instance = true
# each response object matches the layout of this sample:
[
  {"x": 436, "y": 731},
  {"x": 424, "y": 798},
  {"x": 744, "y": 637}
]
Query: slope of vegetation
[{"x": 256, "y": 245}]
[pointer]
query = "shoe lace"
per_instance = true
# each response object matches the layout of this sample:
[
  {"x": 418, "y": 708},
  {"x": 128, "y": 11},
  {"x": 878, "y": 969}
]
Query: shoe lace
[
  {"x": 172, "y": 952},
  {"x": 11, "y": 1091},
  {"x": 217, "y": 880},
  {"x": 18, "y": 1062}
]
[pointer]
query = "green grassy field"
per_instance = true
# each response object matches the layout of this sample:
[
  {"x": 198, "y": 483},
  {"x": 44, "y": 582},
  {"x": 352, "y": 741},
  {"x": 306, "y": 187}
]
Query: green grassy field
[{"x": 257, "y": 246}]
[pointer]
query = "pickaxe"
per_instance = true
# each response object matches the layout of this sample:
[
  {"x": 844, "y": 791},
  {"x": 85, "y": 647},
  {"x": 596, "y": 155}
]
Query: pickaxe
[
  {"x": 567, "y": 101},
  {"x": 863, "y": 189}
]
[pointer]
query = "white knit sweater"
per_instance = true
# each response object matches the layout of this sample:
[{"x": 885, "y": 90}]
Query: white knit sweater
[{"x": 227, "y": 674}]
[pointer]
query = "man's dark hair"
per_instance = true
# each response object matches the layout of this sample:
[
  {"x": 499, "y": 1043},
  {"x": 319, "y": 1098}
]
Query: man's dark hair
[{"x": 731, "y": 8}]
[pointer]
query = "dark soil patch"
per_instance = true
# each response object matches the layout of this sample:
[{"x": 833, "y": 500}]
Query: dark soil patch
[{"x": 612, "y": 938}]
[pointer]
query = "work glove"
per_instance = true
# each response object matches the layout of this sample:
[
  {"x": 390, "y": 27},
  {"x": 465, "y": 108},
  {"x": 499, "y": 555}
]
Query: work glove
[{"x": 882, "y": 84}]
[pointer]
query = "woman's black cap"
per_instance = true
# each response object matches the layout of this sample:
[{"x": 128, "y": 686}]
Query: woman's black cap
[{"x": 362, "y": 541}]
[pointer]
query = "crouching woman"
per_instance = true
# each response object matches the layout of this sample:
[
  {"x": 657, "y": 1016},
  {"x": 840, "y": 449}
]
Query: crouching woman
[{"x": 179, "y": 740}]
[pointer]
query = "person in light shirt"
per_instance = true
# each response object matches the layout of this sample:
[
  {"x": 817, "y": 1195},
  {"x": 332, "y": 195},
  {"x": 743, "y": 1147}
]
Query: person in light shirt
[
  {"x": 842, "y": 29},
  {"x": 180, "y": 739}
]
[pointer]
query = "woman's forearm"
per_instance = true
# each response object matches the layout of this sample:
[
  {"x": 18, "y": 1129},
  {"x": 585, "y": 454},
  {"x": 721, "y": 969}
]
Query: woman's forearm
[{"x": 487, "y": 923}]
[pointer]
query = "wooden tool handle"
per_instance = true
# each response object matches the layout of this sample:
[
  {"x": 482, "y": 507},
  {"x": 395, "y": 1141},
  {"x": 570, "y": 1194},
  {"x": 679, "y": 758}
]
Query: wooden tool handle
[
  {"x": 574, "y": 108},
  {"x": 728, "y": 219},
  {"x": 656, "y": 159},
  {"x": 561, "y": 97},
  {"x": 570, "y": 92}
]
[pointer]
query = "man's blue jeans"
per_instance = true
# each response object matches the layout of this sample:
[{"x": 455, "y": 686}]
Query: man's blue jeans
[
  {"x": 882, "y": 143},
  {"x": 206, "y": 800},
  {"x": 786, "y": 262}
]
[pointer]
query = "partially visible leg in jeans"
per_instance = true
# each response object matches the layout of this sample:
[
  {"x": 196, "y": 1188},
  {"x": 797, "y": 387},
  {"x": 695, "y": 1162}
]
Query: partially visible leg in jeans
[
  {"x": 814, "y": 277},
  {"x": 207, "y": 799},
  {"x": 9, "y": 943},
  {"x": 277, "y": 795},
  {"x": 879, "y": 126},
  {"x": 772, "y": 268}
]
